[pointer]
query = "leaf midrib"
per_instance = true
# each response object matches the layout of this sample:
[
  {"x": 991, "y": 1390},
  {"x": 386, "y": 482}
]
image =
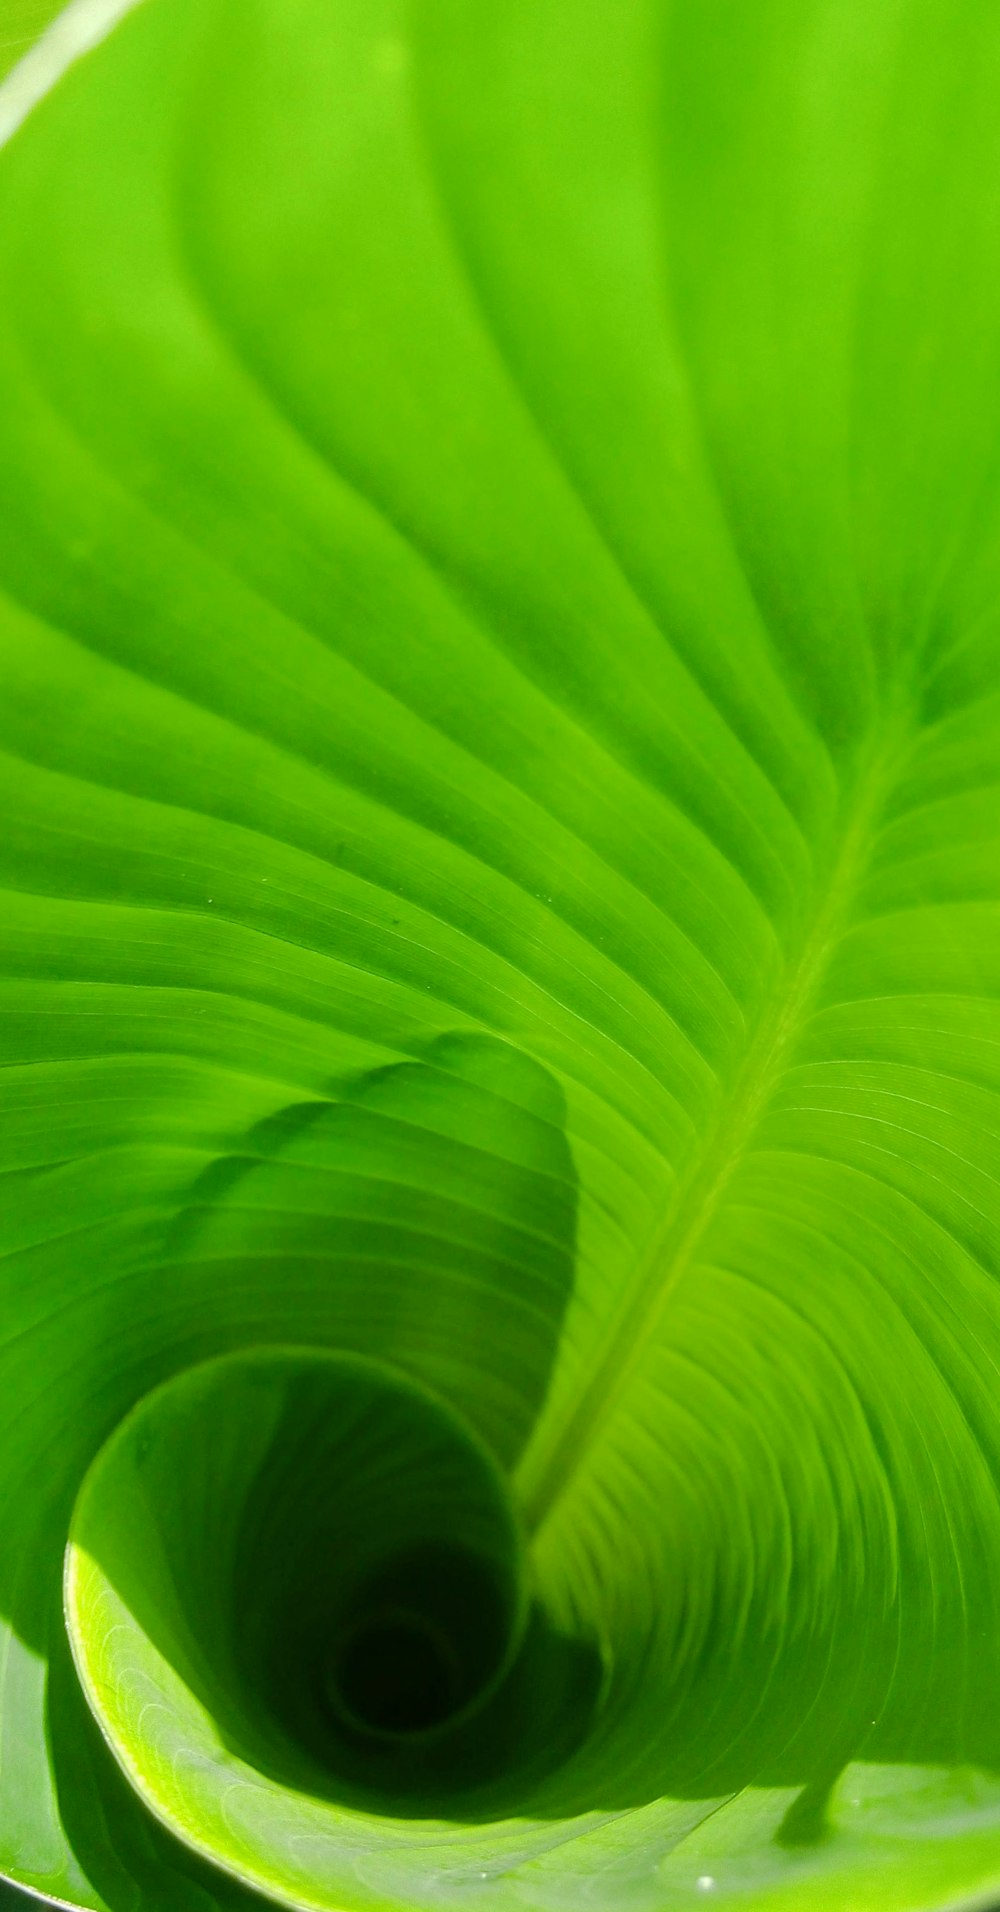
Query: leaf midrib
[{"x": 697, "y": 1195}]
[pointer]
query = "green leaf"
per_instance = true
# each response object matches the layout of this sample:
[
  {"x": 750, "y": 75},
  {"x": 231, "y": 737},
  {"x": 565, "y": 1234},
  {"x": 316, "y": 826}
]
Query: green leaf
[
  {"x": 500, "y": 959},
  {"x": 21, "y": 24}
]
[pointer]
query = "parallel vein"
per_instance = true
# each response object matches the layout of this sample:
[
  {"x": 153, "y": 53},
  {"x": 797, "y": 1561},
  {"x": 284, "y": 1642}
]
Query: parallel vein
[{"x": 674, "y": 1245}]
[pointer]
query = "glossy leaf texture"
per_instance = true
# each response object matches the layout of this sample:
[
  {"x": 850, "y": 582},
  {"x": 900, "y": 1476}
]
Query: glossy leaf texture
[
  {"x": 500, "y": 949},
  {"x": 21, "y": 24}
]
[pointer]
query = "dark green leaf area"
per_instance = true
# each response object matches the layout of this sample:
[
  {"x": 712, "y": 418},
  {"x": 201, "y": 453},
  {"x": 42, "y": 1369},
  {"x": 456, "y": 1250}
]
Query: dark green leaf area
[
  {"x": 395, "y": 1217},
  {"x": 315, "y": 1568},
  {"x": 410, "y": 1662}
]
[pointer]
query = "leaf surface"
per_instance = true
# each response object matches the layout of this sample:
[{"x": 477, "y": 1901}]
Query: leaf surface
[{"x": 501, "y": 881}]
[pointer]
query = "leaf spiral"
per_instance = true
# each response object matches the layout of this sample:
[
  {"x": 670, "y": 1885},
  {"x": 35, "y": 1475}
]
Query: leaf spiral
[{"x": 499, "y": 959}]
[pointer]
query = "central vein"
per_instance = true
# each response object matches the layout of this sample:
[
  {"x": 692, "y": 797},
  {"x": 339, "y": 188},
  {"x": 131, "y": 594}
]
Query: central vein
[{"x": 696, "y": 1199}]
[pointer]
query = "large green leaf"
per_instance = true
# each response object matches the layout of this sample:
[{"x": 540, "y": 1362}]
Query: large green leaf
[{"x": 500, "y": 723}]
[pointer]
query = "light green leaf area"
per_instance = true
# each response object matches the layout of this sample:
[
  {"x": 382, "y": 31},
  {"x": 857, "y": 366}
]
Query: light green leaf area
[
  {"x": 21, "y": 24},
  {"x": 500, "y": 959}
]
